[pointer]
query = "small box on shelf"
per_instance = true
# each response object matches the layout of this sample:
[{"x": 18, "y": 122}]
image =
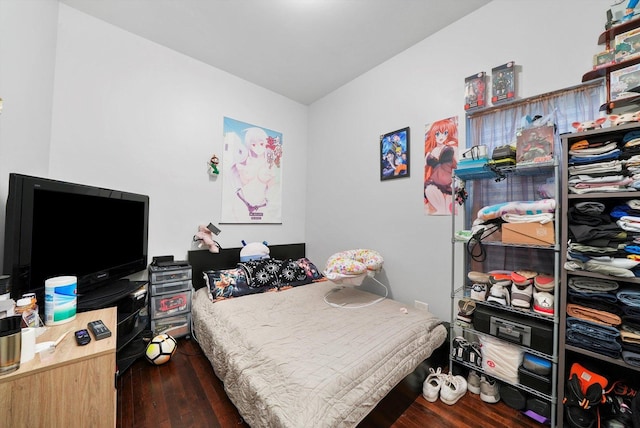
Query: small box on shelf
[{"x": 528, "y": 233}]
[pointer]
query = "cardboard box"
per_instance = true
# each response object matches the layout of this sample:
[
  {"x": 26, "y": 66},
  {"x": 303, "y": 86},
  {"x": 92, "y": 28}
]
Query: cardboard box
[{"x": 528, "y": 233}]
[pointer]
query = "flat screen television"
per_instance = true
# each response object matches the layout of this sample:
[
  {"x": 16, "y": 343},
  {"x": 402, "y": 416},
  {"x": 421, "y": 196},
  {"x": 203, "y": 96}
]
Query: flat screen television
[{"x": 55, "y": 228}]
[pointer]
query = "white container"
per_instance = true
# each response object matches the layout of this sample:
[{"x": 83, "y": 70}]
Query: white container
[{"x": 60, "y": 299}]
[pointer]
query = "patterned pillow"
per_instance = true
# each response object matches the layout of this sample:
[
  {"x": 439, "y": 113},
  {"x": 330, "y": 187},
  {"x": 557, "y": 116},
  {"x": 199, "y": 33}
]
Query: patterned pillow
[
  {"x": 275, "y": 273},
  {"x": 227, "y": 283},
  {"x": 310, "y": 269}
]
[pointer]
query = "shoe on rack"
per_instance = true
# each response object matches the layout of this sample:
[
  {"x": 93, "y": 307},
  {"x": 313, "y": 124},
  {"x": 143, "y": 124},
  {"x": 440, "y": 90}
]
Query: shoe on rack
[
  {"x": 499, "y": 294},
  {"x": 523, "y": 278},
  {"x": 481, "y": 277},
  {"x": 473, "y": 354},
  {"x": 489, "y": 390},
  {"x": 466, "y": 308},
  {"x": 453, "y": 388},
  {"x": 473, "y": 382},
  {"x": 431, "y": 386},
  {"x": 543, "y": 303},
  {"x": 479, "y": 292},
  {"x": 521, "y": 296},
  {"x": 460, "y": 348},
  {"x": 580, "y": 408},
  {"x": 544, "y": 282}
]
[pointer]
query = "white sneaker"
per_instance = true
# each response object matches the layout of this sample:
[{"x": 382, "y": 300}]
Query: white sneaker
[
  {"x": 431, "y": 386},
  {"x": 452, "y": 389}
]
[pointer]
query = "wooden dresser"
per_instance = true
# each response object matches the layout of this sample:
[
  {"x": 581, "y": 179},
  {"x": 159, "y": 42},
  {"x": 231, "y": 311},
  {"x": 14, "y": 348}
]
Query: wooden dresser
[{"x": 73, "y": 387}]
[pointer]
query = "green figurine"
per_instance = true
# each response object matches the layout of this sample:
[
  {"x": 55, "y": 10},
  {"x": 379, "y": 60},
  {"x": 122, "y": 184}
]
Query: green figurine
[{"x": 214, "y": 164}]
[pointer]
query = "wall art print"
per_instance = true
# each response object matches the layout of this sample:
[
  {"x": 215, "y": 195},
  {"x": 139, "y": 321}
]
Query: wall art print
[
  {"x": 441, "y": 158},
  {"x": 251, "y": 174},
  {"x": 394, "y": 151}
]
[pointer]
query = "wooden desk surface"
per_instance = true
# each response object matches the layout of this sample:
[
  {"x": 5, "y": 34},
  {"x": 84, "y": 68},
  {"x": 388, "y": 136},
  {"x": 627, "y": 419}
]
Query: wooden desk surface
[{"x": 67, "y": 351}]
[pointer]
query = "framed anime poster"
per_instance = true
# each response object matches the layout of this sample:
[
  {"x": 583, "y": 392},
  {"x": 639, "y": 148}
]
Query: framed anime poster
[
  {"x": 251, "y": 174},
  {"x": 441, "y": 158},
  {"x": 394, "y": 154}
]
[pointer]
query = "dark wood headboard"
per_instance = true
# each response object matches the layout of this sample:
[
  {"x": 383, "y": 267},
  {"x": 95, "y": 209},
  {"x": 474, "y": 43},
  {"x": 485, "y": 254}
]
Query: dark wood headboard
[{"x": 202, "y": 260}]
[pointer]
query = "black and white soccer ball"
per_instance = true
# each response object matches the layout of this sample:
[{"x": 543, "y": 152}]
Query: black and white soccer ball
[{"x": 161, "y": 349}]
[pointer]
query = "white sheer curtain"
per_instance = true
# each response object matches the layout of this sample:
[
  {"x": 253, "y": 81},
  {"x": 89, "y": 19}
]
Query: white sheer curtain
[{"x": 497, "y": 126}]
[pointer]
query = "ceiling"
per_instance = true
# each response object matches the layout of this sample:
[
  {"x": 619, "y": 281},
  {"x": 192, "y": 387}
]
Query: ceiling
[{"x": 301, "y": 49}]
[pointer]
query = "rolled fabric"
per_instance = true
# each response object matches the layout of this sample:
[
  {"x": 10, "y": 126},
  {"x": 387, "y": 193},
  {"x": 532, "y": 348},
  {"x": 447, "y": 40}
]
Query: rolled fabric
[
  {"x": 631, "y": 358},
  {"x": 629, "y": 296},
  {"x": 628, "y": 337},
  {"x": 592, "y": 284},
  {"x": 593, "y": 315}
]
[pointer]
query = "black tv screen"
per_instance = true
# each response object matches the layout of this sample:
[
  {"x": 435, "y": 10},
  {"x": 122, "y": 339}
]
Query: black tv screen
[{"x": 55, "y": 228}]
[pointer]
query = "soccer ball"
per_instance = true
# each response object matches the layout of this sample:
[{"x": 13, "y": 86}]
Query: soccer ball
[{"x": 160, "y": 349}]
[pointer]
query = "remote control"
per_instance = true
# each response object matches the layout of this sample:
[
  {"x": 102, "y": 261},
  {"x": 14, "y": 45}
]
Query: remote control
[
  {"x": 99, "y": 330},
  {"x": 82, "y": 337}
]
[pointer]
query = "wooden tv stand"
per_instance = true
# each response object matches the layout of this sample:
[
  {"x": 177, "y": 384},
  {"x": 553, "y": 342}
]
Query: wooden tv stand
[{"x": 74, "y": 387}]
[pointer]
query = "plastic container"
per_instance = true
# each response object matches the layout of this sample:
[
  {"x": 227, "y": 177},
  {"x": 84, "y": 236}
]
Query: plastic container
[{"x": 60, "y": 300}]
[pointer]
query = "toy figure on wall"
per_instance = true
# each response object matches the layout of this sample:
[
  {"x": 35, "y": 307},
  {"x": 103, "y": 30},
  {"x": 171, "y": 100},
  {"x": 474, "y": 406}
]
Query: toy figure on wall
[
  {"x": 252, "y": 184},
  {"x": 440, "y": 154},
  {"x": 213, "y": 163}
]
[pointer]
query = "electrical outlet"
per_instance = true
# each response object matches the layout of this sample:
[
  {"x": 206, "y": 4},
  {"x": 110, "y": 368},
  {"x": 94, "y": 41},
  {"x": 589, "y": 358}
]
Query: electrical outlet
[{"x": 421, "y": 305}]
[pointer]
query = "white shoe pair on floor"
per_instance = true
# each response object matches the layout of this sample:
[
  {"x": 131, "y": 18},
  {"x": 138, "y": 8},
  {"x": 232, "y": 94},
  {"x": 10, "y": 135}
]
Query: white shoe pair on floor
[{"x": 448, "y": 387}]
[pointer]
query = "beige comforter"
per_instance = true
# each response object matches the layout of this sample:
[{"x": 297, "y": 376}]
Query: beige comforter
[{"x": 288, "y": 359}]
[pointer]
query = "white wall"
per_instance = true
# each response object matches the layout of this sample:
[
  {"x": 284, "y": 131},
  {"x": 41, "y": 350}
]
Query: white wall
[
  {"x": 27, "y": 59},
  {"x": 131, "y": 115},
  {"x": 553, "y": 41}
]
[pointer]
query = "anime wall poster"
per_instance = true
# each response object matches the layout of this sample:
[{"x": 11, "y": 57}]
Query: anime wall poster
[
  {"x": 251, "y": 174},
  {"x": 394, "y": 152},
  {"x": 441, "y": 158}
]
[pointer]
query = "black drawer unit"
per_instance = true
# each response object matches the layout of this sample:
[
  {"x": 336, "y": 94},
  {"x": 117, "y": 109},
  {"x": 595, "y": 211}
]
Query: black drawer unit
[{"x": 520, "y": 329}]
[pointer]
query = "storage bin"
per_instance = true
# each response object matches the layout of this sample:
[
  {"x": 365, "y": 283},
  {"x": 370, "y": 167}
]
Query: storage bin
[
  {"x": 164, "y": 305},
  {"x": 534, "y": 381},
  {"x": 177, "y": 326},
  {"x": 170, "y": 287}
]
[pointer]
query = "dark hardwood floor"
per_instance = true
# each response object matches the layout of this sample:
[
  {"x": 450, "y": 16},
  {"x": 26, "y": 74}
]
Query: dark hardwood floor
[{"x": 186, "y": 393}]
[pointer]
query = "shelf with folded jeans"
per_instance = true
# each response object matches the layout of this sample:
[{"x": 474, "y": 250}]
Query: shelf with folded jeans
[{"x": 600, "y": 297}]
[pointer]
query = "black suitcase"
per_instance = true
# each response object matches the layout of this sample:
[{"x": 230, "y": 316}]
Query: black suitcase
[{"x": 523, "y": 330}]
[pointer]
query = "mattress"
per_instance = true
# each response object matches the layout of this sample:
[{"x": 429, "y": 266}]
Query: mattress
[{"x": 288, "y": 359}]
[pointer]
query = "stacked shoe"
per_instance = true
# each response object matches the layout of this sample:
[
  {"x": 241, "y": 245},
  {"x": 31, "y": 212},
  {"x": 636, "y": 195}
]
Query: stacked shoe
[
  {"x": 543, "y": 296},
  {"x": 543, "y": 303},
  {"x": 580, "y": 407},
  {"x": 466, "y": 307},
  {"x": 479, "y": 292},
  {"x": 467, "y": 352},
  {"x": 522, "y": 289},
  {"x": 499, "y": 292},
  {"x": 617, "y": 410},
  {"x": 480, "y": 285}
]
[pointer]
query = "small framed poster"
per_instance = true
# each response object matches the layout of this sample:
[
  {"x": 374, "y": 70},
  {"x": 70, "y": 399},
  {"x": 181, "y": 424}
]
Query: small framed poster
[{"x": 394, "y": 154}]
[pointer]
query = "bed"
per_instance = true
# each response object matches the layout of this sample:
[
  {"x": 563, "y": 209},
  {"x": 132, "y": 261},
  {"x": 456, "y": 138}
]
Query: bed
[{"x": 289, "y": 359}]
